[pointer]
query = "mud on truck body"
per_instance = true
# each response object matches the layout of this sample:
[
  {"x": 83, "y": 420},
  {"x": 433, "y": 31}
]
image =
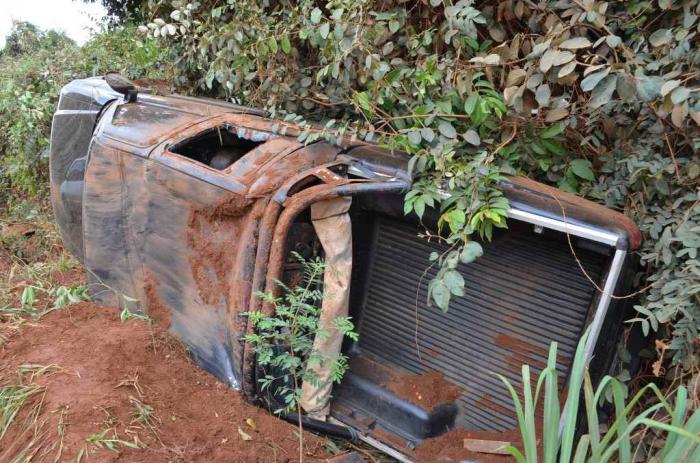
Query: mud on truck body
[{"x": 143, "y": 201}]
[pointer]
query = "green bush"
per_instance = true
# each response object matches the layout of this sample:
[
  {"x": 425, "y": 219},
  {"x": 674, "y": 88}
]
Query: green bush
[
  {"x": 34, "y": 66},
  {"x": 598, "y": 98}
]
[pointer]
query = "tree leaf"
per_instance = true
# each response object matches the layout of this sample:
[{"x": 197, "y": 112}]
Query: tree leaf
[
  {"x": 613, "y": 41},
  {"x": 272, "y": 43},
  {"x": 471, "y": 103},
  {"x": 582, "y": 168},
  {"x": 566, "y": 70},
  {"x": 553, "y": 147},
  {"x": 324, "y": 30},
  {"x": 575, "y": 43},
  {"x": 286, "y": 46},
  {"x": 679, "y": 95},
  {"x": 515, "y": 77},
  {"x": 648, "y": 88},
  {"x": 470, "y": 252},
  {"x": 440, "y": 294},
  {"x": 679, "y": 113},
  {"x": 660, "y": 37},
  {"x": 543, "y": 94},
  {"x": 539, "y": 49},
  {"x": 603, "y": 92},
  {"x": 454, "y": 282},
  {"x": 590, "y": 82},
  {"x": 669, "y": 86},
  {"x": 414, "y": 137},
  {"x": 488, "y": 60},
  {"x": 552, "y": 131},
  {"x": 472, "y": 137},
  {"x": 315, "y": 16},
  {"x": 447, "y": 130},
  {"x": 562, "y": 57},
  {"x": 427, "y": 134},
  {"x": 556, "y": 114},
  {"x": 362, "y": 99},
  {"x": 547, "y": 60}
]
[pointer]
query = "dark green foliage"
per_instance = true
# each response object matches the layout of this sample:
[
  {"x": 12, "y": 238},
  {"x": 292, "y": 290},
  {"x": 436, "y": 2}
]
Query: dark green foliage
[
  {"x": 597, "y": 98},
  {"x": 33, "y": 67}
]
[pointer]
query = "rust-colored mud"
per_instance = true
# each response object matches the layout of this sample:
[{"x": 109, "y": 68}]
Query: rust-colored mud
[
  {"x": 212, "y": 237},
  {"x": 449, "y": 448},
  {"x": 232, "y": 205},
  {"x": 157, "y": 310},
  {"x": 105, "y": 365},
  {"x": 427, "y": 391}
]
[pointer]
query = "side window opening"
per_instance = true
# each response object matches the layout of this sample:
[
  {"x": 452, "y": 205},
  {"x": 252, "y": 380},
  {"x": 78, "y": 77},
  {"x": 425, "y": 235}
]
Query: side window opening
[{"x": 217, "y": 148}]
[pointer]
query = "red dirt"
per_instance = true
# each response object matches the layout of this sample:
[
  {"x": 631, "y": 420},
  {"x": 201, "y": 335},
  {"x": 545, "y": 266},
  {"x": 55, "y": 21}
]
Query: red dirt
[
  {"x": 211, "y": 234},
  {"x": 105, "y": 363},
  {"x": 72, "y": 277},
  {"x": 427, "y": 391},
  {"x": 232, "y": 205},
  {"x": 157, "y": 310},
  {"x": 450, "y": 447}
]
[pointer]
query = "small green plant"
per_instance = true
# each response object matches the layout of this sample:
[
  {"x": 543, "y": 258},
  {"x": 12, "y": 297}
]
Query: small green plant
[
  {"x": 559, "y": 427},
  {"x": 61, "y": 297},
  {"x": 109, "y": 439},
  {"x": 28, "y": 299},
  {"x": 144, "y": 415},
  {"x": 284, "y": 342},
  {"x": 66, "y": 295},
  {"x": 127, "y": 314}
]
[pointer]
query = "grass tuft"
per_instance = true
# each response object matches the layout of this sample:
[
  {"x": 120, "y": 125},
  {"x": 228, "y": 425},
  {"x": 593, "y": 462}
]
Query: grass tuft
[{"x": 12, "y": 399}]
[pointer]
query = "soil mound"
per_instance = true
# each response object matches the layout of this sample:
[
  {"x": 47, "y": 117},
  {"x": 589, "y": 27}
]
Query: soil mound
[{"x": 108, "y": 383}]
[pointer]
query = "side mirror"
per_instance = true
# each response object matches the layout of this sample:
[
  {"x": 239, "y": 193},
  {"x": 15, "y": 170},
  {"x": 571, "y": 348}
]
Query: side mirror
[{"x": 122, "y": 85}]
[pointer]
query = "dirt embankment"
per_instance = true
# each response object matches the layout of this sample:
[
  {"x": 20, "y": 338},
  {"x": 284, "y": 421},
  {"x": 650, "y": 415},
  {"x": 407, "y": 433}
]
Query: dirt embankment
[{"x": 111, "y": 382}]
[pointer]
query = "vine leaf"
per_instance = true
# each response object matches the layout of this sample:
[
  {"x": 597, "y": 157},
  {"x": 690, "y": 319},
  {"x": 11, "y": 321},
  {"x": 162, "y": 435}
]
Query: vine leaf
[
  {"x": 582, "y": 168},
  {"x": 470, "y": 252}
]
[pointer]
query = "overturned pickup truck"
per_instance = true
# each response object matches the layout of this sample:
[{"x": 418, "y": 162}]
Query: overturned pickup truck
[{"x": 188, "y": 208}]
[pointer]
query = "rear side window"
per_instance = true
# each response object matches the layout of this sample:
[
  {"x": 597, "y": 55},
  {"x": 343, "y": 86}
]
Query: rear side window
[{"x": 217, "y": 148}]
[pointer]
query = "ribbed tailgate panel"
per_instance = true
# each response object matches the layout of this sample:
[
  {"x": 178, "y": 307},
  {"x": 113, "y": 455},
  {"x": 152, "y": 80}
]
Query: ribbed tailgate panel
[{"x": 525, "y": 292}]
